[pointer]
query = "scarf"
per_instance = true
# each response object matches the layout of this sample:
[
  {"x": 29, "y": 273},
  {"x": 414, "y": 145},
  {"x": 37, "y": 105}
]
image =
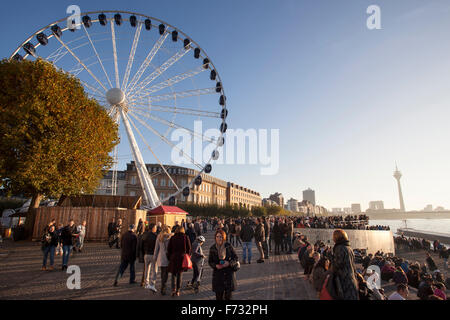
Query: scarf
[{"x": 221, "y": 250}]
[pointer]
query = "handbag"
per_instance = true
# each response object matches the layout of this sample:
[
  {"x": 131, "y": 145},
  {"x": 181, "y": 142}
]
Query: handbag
[
  {"x": 324, "y": 294},
  {"x": 187, "y": 262}
]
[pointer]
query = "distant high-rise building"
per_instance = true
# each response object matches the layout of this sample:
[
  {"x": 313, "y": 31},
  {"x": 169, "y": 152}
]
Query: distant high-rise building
[
  {"x": 428, "y": 208},
  {"x": 336, "y": 210},
  {"x": 347, "y": 210},
  {"x": 292, "y": 205},
  {"x": 356, "y": 208},
  {"x": 278, "y": 198},
  {"x": 397, "y": 176},
  {"x": 309, "y": 195},
  {"x": 376, "y": 205}
]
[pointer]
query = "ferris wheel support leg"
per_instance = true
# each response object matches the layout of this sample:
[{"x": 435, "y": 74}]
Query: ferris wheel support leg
[{"x": 150, "y": 196}]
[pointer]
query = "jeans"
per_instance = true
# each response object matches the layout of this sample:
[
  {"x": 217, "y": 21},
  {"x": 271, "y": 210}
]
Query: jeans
[
  {"x": 123, "y": 266},
  {"x": 66, "y": 254},
  {"x": 179, "y": 277},
  {"x": 197, "y": 268},
  {"x": 80, "y": 242},
  {"x": 283, "y": 243},
  {"x": 265, "y": 246},
  {"x": 47, "y": 250},
  {"x": 289, "y": 242},
  {"x": 260, "y": 249},
  {"x": 164, "y": 277},
  {"x": 247, "y": 248},
  {"x": 150, "y": 270}
]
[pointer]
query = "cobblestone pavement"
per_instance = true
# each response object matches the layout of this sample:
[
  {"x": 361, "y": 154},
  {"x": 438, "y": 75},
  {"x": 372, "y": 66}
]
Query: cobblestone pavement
[{"x": 279, "y": 278}]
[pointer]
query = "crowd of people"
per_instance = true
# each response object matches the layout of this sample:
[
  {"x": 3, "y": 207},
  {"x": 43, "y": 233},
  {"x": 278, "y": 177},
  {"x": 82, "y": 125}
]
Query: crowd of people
[
  {"x": 61, "y": 240},
  {"x": 332, "y": 270}
]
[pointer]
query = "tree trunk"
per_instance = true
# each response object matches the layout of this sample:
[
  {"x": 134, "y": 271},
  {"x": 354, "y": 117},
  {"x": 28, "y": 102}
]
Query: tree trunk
[{"x": 31, "y": 215}]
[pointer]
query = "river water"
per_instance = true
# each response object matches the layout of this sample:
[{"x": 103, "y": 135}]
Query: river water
[{"x": 436, "y": 225}]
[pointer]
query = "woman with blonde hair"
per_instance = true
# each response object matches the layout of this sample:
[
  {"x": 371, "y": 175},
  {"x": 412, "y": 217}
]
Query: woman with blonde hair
[
  {"x": 343, "y": 268},
  {"x": 161, "y": 260}
]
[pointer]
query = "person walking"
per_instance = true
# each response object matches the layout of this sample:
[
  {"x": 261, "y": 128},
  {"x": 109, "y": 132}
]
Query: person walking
[
  {"x": 259, "y": 239},
  {"x": 237, "y": 236},
  {"x": 81, "y": 229},
  {"x": 247, "y": 234},
  {"x": 224, "y": 261},
  {"x": 265, "y": 244},
  {"x": 49, "y": 243},
  {"x": 67, "y": 237},
  {"x": 59, "y": 250},
  {"x": 277, "y": 237},
  {"x": 190, "y": 232},
  {"x": 198, "y": 258},
  {"x": 343, "y": 268},
  {"x": 148, "y": 250},
  {"x": 116, "y": 234},
  {"x": 140, "y": 228},
  {"x": 128, "y": 255},
  {"x": 179, "y": 245},
  {"x": 289, "y": 234},
  {"x": 111, "y": 228},
  {"x": 162, "y": 243}
]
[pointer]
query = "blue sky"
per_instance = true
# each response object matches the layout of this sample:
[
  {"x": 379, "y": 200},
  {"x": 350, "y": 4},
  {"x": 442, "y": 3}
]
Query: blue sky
[{"x": 349, "y": 102}]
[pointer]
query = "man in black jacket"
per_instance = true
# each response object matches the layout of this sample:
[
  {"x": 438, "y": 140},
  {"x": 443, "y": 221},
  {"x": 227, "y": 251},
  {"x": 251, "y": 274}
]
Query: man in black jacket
[
  {"x": 246, "y": 235},
  {"x": 148, "y": 249},
  {"x": 265, "y": 243},
  {"x": 259, "y": 239},
  {"x": 128, "y": 255},
  {"x": 67, "y": 236},
  {"x": 116, "y": 230}
]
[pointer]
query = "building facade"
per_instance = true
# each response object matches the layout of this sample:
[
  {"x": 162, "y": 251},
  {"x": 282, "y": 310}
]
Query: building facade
[
  {"x": 211, "y": 191},
  {"x": 292, "y": 205},
  {"x": 105, "y": 187},
  {"x": 309, "y": 195},
  {"x": 277, "y": 198},
  {"x": 242, "y": 197},
  {"x": 356, "y": 208}
]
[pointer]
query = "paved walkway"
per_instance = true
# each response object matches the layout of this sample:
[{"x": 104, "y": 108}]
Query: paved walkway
[{"x": 279, "y": 278}]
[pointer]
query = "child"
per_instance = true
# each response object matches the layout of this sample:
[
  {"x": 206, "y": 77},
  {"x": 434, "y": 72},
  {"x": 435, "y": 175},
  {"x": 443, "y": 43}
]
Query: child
[{"x": 198, "y": 259}]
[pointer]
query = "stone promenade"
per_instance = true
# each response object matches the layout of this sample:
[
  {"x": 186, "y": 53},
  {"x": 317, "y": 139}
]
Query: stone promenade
[{"x": 279, "y": 278}]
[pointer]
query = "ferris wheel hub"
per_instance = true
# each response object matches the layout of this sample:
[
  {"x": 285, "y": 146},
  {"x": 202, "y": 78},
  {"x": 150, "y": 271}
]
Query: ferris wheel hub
[{"x": 115, "y": 96}]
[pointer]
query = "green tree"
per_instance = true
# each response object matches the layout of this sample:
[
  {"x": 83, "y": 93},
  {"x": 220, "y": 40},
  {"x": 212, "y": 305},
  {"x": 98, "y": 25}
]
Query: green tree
[{"x": 54, "y": 139}]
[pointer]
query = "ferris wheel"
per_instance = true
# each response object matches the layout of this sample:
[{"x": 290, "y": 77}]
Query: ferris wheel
[{"x": 151, "y": 78}]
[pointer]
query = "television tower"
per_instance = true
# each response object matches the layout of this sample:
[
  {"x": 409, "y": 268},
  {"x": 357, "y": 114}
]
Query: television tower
[{"x": 397, "y": 176}]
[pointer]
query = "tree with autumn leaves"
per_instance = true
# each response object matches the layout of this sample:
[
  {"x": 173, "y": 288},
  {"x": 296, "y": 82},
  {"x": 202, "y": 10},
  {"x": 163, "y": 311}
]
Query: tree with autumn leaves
[{"x": 54, "y": 139}]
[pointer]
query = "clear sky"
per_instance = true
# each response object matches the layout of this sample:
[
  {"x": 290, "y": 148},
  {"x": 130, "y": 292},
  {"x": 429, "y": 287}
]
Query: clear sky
[{"x": 349, "y": 102}]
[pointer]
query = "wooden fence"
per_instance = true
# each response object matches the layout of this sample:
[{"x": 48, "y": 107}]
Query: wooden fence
[{"x": 97, "y": 219}]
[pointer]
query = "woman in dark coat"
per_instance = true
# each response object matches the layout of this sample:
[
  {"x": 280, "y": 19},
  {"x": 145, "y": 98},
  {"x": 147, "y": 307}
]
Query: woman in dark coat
[
  {"x": 223, "y": 260},
  {"x": 179, "y": 245},
  {"x": 277, "y": 237},
  {"x": 343, "y": 267}
]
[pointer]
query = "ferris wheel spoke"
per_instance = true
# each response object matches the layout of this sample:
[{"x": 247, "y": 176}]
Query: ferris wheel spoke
[
  {"x": 81, "y": 63},
  {"x": 188, "y": 111},
  {"x": 147, "y": 61},
  {"x": 163, "y": 138},
  {"x": 173, "y": 125},
  {"x": 169, "y": 82},
  {"x": 96, "y": 53},
  {"x": 116, "y": 66},
  {"x": 159, "y": 71},
  {"x": 148, "y": 146},
  {"x": 132, "y": 55},
  {"x": 175, "y": 95}
]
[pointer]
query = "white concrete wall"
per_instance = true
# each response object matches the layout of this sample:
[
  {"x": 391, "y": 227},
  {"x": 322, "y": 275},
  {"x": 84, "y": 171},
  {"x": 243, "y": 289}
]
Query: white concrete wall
[{"x": 371, "y": 240}]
